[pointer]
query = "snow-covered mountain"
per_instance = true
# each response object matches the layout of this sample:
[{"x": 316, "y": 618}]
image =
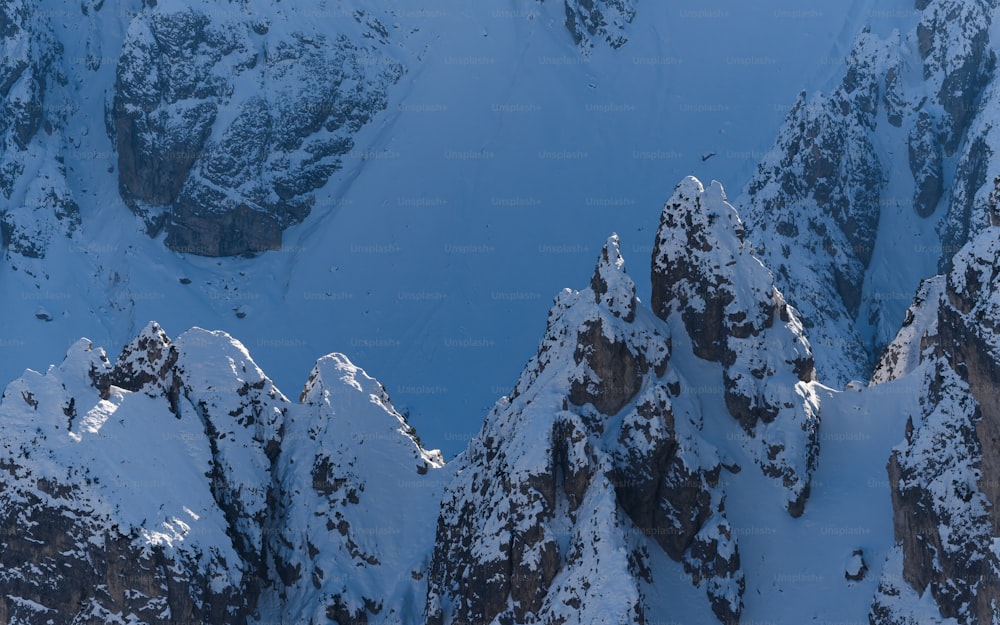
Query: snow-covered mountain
[
  {"x": 672, "y": 461},
  {"x": 179, "y": 484},
  {"x": 943, "y": 477},
  {"x": 599, "y": 476},
  {"x": 608, "y": 453},
  {"x": 797, "y": 424},
  {"x": 875, "y": 185}
]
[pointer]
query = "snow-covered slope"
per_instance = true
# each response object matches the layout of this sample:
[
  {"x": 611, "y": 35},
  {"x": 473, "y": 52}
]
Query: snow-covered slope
[{"x": 354, "y": 520}]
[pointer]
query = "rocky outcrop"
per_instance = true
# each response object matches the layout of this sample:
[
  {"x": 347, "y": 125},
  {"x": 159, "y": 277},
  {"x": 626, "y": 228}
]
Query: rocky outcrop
[
  {"x": 941, "y": 515},
  {"x": 29, "y": 53},
  {"x": 959, "y": 64},
  {"x": 46, "y": 211},
  {"x": 926, "y": 164},
  {"x": 704, "y": 273},
  {"x": 819, "y": 197},
  {"x": 945, "y": 476},
  {"x": 856, "y": 567},
  {"x": 36, "y": 205},
  {"x": 224, "y": 129},
  {"x": 918, "y": 333},
  {"x": 60, "y": 569},
  {"x": 589, "y": 20},
  {"x": 952, "y": 38},
  {"x": 613, "y": 373},
  {"x": 953, "y": 42}
]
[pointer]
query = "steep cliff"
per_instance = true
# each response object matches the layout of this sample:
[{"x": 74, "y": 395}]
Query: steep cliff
[{"x": 944, "y": 475}]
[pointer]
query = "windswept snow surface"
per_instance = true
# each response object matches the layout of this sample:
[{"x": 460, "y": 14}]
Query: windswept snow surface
[{"x": 504, "y": 159}]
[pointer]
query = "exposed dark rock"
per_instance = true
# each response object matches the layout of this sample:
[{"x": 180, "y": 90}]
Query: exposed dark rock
[
  {"x": 893, "y": 99},
  {"x": 713, "y": 556},
  {"x": 953, "y": 37},
  {"x": 703, "y": 272},
  {"x": 240, "y": 231},
  {"x": 587, "y": 20},
  {"x": 926, "y": 160},
  {"x": 45, "y": 209},
  {"x": 965, "y": 218},
  {"x": 146, "y": 363},
  {"x": 619, "y": 372},
  {"x": 60, "y": 568},
  {"x": 857, "y": 568},
  {"x": 942, "y": 520},
  {"x": 235, "y": 194}
]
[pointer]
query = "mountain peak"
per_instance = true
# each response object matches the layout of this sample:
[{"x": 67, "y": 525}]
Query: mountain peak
[
  {"x": 333, "y": 366},
  {"x": 703, "y": 270},
  {"x": 706, "y": 279},
  {"x": 611, "y": 285},
  {"x": 340, "y": 386},
  {"x": 144, "y": 363}
]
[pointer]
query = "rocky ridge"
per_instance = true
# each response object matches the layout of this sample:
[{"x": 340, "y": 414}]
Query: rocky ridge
[
  {"x": 924, "y": 93},
  {"x": 225, "y": 123},
  {"x": 601, "y": 20},
  {"x": 944, "y": 475},
  {"x": 182, "y": 456},
  {"x": 163, "y": 488}
]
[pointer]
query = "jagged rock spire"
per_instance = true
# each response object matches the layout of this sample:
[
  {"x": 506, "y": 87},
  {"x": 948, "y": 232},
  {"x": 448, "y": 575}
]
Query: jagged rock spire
[
  {"x": 145, "y": 362},
  {"x": 611, "y": 285},
  {"x": 704, "y": 274}
]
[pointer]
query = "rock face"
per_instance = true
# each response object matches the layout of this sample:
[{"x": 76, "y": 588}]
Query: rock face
[
  {"x": 589, "y": 20},
  {"x": 819, "y": 197},
  {"x": 163, "y": 487},
  {"x": 960, "y": 65},
  {"x": 601, "y": 460},
  {"x": 953, "y": 38},
  {"x": 704, "y": 273},
  {"x": 225, "y": 128},
  {"x": 35, "y": 202},
  {"x": 944, "y": 476},
  {"x": 816, "y": 213}
]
